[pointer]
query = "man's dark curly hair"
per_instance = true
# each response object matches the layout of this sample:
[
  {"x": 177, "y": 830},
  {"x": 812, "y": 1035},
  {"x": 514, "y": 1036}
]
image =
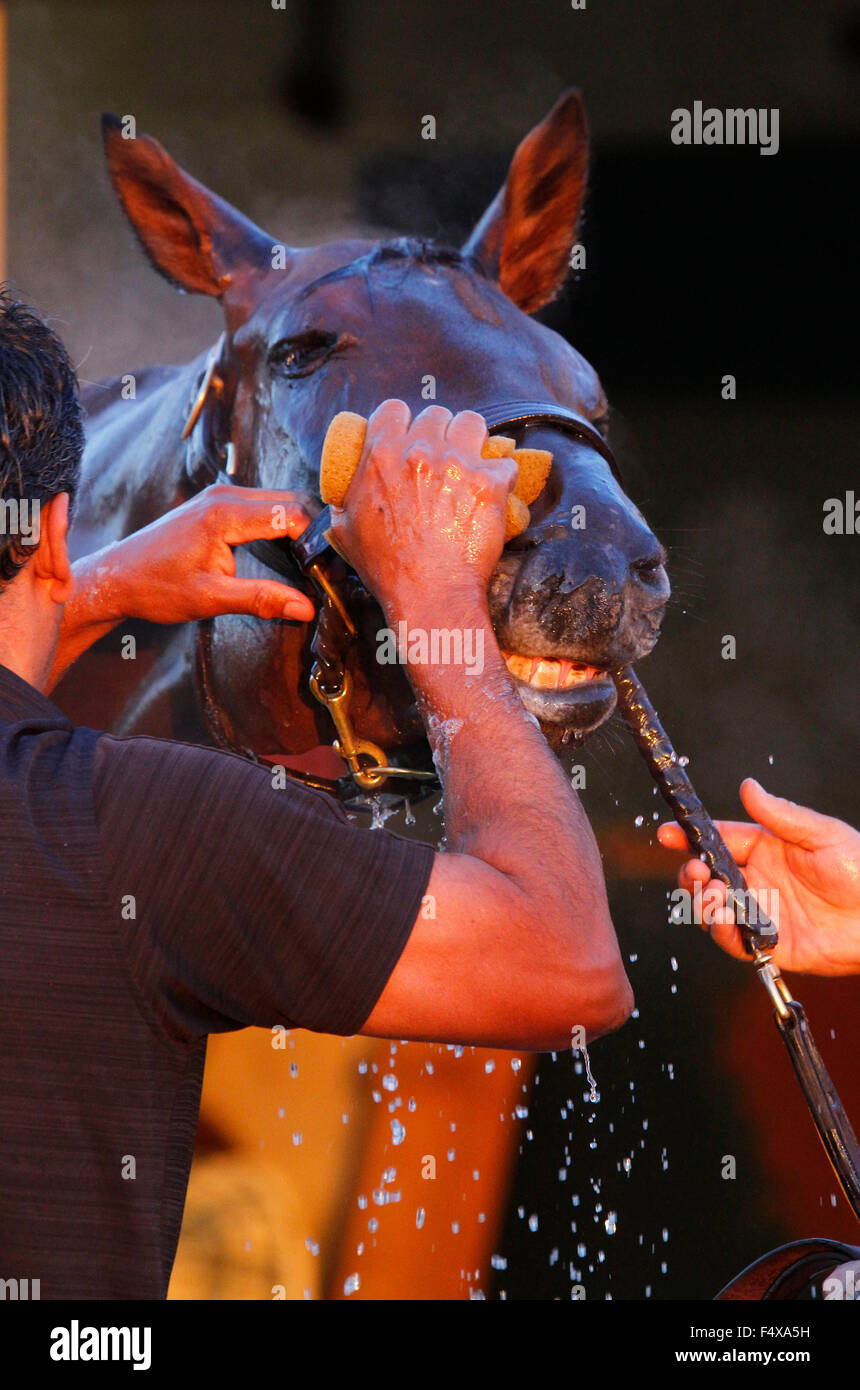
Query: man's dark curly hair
[{"x": 41, "y": 430}]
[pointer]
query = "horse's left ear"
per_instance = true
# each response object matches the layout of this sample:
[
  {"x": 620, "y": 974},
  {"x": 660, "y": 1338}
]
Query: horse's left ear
[{"x": 526, "y": 235}]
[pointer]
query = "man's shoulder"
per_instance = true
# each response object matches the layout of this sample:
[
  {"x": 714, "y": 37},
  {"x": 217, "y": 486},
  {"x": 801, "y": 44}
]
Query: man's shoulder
[{"x": 170, "y": 778}]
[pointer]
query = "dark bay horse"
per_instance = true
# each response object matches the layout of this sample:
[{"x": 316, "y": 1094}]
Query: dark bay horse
[
  {"x": 342, "y": 326},
  {"x": 310, "y": 332}
]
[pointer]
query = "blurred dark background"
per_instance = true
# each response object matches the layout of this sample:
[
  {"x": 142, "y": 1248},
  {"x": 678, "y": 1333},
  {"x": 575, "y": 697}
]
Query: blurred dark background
[{"x": 700, "y": 262}]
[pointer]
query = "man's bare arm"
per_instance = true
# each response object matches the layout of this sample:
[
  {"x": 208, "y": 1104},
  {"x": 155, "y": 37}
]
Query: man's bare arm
[
  {"x": 522, "y": 949},
  {"x": 181, "y": 569}
]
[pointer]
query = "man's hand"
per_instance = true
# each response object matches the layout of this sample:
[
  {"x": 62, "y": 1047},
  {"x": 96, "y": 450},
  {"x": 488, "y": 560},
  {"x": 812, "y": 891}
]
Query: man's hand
[
  {"x": 181, "y": 569},
  {"x": 425, "y": 513},
  {"x": 813, "y": 862}
]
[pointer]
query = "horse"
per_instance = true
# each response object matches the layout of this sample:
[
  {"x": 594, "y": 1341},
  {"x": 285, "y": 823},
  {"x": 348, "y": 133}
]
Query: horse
[{"x": 312, "y": 331}]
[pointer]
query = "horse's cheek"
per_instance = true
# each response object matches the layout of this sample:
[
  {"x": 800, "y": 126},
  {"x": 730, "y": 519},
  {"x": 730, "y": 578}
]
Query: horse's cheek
[{"x": 257, "y": 681}]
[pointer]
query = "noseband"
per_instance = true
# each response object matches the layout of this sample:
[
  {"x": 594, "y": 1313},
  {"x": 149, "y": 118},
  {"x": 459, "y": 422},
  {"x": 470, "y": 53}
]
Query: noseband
[{"x": 311, "y": 561}]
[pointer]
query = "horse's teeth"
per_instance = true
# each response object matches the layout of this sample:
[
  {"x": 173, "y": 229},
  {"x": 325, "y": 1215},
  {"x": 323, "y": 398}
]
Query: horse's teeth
[{"x": 545, "y": 673}]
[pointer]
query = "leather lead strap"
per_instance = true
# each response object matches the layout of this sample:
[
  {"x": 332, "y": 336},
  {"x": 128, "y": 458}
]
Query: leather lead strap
[
  {"x": 825, "y": 1107},
  {"x": 828, "y": 1113}
]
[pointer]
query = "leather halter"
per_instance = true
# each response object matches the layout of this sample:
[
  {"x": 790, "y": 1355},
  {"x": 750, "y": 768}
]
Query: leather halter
[{"x": 311, "y": 557}]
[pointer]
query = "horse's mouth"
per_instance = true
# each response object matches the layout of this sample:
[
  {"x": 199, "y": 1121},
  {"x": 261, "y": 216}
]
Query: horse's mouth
[{"x": 572, "y": 693}]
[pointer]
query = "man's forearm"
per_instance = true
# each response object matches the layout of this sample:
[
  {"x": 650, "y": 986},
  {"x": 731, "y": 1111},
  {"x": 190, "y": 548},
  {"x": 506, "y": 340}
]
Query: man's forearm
[{"x": 507, "y": 800}]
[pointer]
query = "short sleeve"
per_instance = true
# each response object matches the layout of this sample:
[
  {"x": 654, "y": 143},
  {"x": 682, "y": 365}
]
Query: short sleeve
[{"x": 241, "y": 902}]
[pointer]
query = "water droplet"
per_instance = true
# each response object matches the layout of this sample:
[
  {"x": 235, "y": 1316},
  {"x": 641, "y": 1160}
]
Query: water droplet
[
  {"x": 362, "y": 1202},
  {"x": 281, "y": 1113},
  {"x": 351, "y": 1285},
  {"x": 419, "y": 1217},
  {"x": 498, "y": 1262},
  {"x": 297, "y": 1139},
  {"x": 611, "y": 1223},
  {"x": 294, "y": 1068},
  {"x": 640, "y": 820},
  {"x": 489, "y": 1066},
  {"x": 515, "y": 1064},
  {"x": 533, "y": 1222},
  {"x": 390, "y": 1081},
  {"x": 398, "y": 1132}
]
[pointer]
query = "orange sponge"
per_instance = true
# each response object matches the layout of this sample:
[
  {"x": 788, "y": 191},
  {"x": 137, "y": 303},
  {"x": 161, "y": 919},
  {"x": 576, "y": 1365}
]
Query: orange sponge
[{"x": 344, "y": 442}]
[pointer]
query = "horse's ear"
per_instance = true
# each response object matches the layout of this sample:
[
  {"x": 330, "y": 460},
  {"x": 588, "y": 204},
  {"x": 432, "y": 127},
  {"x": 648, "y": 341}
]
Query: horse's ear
[
  {"x": 196, "y": 240},
  {"x": 526, "y": 235}
]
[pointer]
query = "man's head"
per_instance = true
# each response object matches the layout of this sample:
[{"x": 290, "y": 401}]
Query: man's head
[{"x": 41, "y": 442}]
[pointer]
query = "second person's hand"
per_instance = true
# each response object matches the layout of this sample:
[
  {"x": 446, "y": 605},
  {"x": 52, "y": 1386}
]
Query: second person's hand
[{"x": 812, "y": 861}]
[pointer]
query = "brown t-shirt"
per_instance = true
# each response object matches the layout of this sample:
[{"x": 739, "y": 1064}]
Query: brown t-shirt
[{"x": 153, "y": 893}]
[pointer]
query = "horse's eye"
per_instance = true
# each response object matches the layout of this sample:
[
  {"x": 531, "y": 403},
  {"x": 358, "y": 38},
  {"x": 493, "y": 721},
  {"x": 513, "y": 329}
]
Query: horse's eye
[{"x": 301, "y": 355}]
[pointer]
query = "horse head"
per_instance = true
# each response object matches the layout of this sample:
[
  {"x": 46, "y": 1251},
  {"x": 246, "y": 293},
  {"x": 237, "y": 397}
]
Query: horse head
[{"x": 342, "y": 326}]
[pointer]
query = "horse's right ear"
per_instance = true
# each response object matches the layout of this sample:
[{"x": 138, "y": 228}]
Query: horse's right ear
[{"x": 196, "y": 240}]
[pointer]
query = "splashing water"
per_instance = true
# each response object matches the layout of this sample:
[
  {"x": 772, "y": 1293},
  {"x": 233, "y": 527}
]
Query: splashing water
[{"x": 594, "y": 1094}]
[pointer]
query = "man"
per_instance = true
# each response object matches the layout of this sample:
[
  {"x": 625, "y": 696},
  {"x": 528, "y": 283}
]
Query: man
[{"x": 156, "y": 892}]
